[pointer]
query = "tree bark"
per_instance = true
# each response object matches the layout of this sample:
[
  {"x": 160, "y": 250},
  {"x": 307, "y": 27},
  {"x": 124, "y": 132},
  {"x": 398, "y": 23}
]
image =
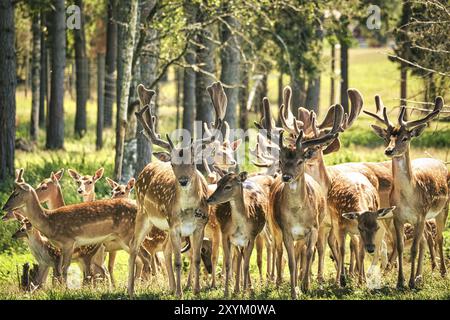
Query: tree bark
[
  {"x": 55, "y": 125},
  {"x": 100, "y": 99},
  {"x": 178, "y": 81},
  {"x": 82, "y": 75},
  {"x": 333, "y": 73},
  {"x": 7, "y": 89},
  {"x": 110, "y": 63},
  {"x": 43, "y": 96},
  {"x": 127, "y": 18},
  {"x": 189, "y": 101},
  {"x": 313, "y": 94},
  {"x": 231, "y": 61},
  {"x": 344, "y": 75},
  {"x": 35, "y": 77},
  {"x": 403, "y": 83},
  {"x": 298, "y": 92},
  {"x": 243, "y": 97}
]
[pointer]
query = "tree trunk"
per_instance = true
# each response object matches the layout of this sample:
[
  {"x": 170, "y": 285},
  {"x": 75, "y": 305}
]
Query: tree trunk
[
  {"x": 205, "y": 59},
  {"x": 55, "y": 125},
  {"x": 110, "y": 63},
  {"x": 243, "y": 97},
  {"x": 189, "y": 91},
  {"x": 298, "y": 92},
  {"x": 100, "y": 99},
  {"x": 178, "y": 81},
  {"x": 7, "y": 89},
  {"x": 231, "y": 61},
  {"x": 403, "y": 83},
  {"x": 344, "y": 76},
  {"x": 82, "y": 75},
  {"x": 127, "y": 18},
  {"x": 35, "y": 77},
  {"x": 333, "y": 73},
  {"x": 313, "y": 94},
  {"x": 43, "y": 96}
]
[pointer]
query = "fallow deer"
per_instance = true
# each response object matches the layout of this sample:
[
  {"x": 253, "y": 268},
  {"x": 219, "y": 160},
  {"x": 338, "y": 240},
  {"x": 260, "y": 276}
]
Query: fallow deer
[
  {"x": 172, "y": 195},
  {"x": 75, "y": 225},
  {"x": 241, "y": 223},
  {"x": 298, "y": 204},
  {"x": 120, "y": 190},
  {"x": 420, "y": 189},
  {"x": 86, "y": 183}
]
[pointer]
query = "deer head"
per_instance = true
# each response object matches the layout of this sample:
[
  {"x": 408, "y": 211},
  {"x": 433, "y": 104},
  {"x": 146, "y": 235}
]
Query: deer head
[
  {"x": 228, "y": 187},
  {"x": 22, "y": 193},
  {"x": 184, "y": 159},
  {"x": 368, "y": 224},
  {"x": 48, "y": 187},
  {"x": 292, "y": 158},
  {"x": 120, "y": 190},
  {"x": 398, "y": 137},
  {"x": 86, "y": 184},
  {"x": 23, "y": 231}
]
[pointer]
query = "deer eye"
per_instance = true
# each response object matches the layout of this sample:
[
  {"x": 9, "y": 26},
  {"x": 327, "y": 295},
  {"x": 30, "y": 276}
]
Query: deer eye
[
  {"x": 227, "y": 188},
  {"x": 89, "y": 182},
  {"x": 404, "y": 139}
]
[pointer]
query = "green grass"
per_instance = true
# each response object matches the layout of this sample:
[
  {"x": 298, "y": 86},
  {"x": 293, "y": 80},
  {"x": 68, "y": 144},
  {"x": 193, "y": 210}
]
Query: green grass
[{"x": 370, "y": 71}]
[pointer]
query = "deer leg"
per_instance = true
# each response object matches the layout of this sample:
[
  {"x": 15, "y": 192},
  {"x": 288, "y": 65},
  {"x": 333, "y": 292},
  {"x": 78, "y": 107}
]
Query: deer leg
[
  {"x": 321, "y": 247},
  {"x": 197, "y": 242},
  {"x": 431, "y": 244},
  {"x": 41, "y": 275},
  {"x": 111, "y": 262},
  {"x": 418, "y": 234},
  {"x": 269, "y": 257},
  {"x": 259, "y": 250},
  {"x": 66, "y": 253},
  {"x": 169, "y": 266},
  {"x": 189, "y": 279},
  {"x": 247, "y": 254},
  {"x": 226, "y": 245},
  {"x": 290, "y": 249},
  {"x": 400, "y": 242},
  {"x": 175, "y": 239},
  {"x": 360, "y": 260},
  {"x": 215, "y": 256},
  {"x": 332, "y": 243},
  {"x": 237, "y": 283},
  {"x": 279, "y": 259},
  {"x": 441, "y": 221},
  {"x": 384, "y": 255},
  {"x": 422, "y": 245},
  {"x": 311, "y": 244},
  {"x": 142, "y": 227}
]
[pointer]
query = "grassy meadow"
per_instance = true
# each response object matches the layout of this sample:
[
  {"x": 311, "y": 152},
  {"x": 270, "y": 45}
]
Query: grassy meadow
[{"x": 370, "y": 71}]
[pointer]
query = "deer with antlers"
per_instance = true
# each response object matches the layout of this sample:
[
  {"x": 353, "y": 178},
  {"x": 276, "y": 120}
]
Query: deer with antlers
[
  {"x": 420, "y": 189},
  {"x": 171, "y": 194},
  {"x": 241, "y": 210},
  {"x": 298, "y": 204}
]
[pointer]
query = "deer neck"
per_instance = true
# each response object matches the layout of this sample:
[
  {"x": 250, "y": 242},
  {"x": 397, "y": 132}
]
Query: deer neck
[
  {"x": 191, "y": 196},
  {"x": 401, "y": 170},
  {"x": 36, "y": 214},
  {"x": 318, "y": 170},
  {"x": 89, "y": 197},
  {"x": 296, "y": 189},
  {"x": 57, "y": 201},
  {"x": 238, "y": 207}
]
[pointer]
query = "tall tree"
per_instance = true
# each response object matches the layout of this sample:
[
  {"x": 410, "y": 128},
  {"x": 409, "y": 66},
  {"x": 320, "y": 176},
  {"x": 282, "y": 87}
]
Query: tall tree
[
  {"x": 126, "y": 20},
  {"x": 55, "y": 124},
  {"x": 230, "y": 59},
  {"x": 344, "y": 38},
  {"x": 43, "y": 96},
  {"x": 189, "y": 76},
  {"x": 243, "y": 97},
  {"x": 82, "y": 74},
  {"x": 110, "y": 62},
  {"x": 7, "y": 89},
  {"x": 35, "y": 76},
  {"x": 100, "y": 99}
]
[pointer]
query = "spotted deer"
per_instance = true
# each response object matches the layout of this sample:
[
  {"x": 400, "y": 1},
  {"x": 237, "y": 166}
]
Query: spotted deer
[
  {"x": 241, "y": 211},
  {"x": 171, "y": 194},
  {"x": 420, "y": 189},
  {"x": 72, "y": 226},
  {"x": 86, "y": 183},
  {"x": 298, "y": 204},
  {"x": 121, "y": 190}
]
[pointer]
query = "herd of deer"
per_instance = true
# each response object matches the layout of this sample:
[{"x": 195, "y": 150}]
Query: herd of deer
[{"x": 295, "y": 202}]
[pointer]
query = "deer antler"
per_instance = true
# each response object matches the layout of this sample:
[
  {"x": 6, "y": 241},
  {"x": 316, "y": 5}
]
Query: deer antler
[
  {"x": 380, "y": 109},
  {"x": 438, "y": 105},
  {"x": 145, "y": 95}
]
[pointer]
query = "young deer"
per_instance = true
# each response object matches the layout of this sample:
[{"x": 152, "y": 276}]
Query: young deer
[
  {"x": 298, "y": 204},
  {"x": 241, "y": 223},
  {"x": 171, "y": 195},
  {"x": 75, "y": 225},
  {"x": 121, "y": 190},
  {"x": 86, "y": 184},
  {"x": 420, "y": 188}
]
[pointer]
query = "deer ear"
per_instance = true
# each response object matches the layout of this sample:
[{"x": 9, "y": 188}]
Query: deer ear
[
  {"x": 23, "y": 186},
  {"x": 130, "y": 184},
  {"x": 386, "y": 213},
  {"x": 382, "y": 133},
  {"x": 99, "y": 173},
  {"x": 235, "y": 144},
  {"x": 19, "y": 175},
  {"x": 351, "y": 215},
  {"x": 111, "y": 182},
  {"x": 57, "y": 176},
  {"x": 75, "y": 175},
  {"x": 417, "y": 131},
  {"x": 243, "y": 176},
  {"x": 333, "y": 147},
  {"x": 162, "y": 156}
]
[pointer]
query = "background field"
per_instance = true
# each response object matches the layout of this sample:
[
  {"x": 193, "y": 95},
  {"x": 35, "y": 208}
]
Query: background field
[{"x": 370, "y": 72}]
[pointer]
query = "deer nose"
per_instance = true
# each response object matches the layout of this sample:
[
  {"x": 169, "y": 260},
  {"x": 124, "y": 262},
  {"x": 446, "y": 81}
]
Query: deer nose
[
  {"x": 80, "y": 191},
  {"x": 183, "y": 182},
  {"x": 233, "y": 162},
  {"x": 286, "y": 177},
  {"x": 389, "y": 152},
  {"x": 370, "y": 248}
]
